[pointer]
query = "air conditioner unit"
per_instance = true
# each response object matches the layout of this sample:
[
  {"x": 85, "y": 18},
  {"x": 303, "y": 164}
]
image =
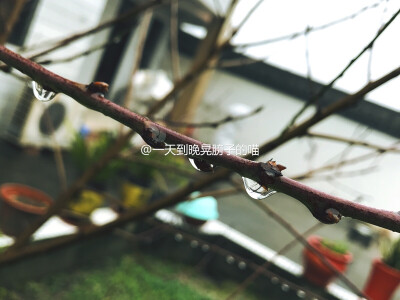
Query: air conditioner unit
[{"x": 44, "y": 124}]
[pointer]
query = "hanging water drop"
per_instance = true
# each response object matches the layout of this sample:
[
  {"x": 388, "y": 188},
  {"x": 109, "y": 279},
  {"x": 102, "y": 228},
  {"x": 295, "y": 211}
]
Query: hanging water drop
[
  {"x": 205, "y": 248},
  {"x": 194, "y": 244},
  {"x": 242, "y": 265},
  {"x": 285, "y": 287},
  {"x": 230, "y": 259},
  {"x": 274, "y": 280},
  {"x": 178, "y": 237},
  {"x": 201, "y": 165},
  {"x": 42, "y": 94},
  {"x": 301, "y": 294},
  {"x": 255, "y": 190}
]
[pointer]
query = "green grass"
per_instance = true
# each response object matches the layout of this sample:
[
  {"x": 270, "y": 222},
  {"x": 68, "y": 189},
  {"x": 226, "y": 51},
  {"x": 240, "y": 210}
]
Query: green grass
[{"x": 140, "y": 277}]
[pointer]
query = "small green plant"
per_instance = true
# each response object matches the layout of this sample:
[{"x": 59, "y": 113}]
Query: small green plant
[
  {"x": 156, "y": 166},
  {"x": 86, "y": 151},
  {"x": 336, "y": 246},
  {"x": 391, "y": 253}
]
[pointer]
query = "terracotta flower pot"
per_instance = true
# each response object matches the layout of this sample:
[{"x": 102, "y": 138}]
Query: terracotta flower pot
[
  {"x": 21, "y": 205},
  {"x": 382, "y": 282},
  {"x": 315, "y": 270}
]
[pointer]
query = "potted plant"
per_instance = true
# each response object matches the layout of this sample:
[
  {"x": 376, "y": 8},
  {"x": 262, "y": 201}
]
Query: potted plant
[
  {"x": 85, "y": 150},
  {"x": 21, "y": 205},
  {"x": 384, "y": 276},
  {"x": 335, "y": 252}
]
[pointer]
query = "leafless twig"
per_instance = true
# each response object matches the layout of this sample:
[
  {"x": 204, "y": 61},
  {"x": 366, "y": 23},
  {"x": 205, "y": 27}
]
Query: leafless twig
[
  {"x": 214, "y": 124},
  {"x": 325, "y": 88}
]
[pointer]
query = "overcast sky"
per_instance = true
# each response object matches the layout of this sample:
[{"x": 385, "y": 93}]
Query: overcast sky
[{"x": 330, "y": 49}]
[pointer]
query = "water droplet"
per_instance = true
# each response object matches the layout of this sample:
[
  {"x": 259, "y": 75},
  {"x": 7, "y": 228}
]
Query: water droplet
[
  {"x": 274, "y": 280},
  {"x": 301, "y": 294},
  {"x": 42, "y": 94},
  {"x": 255, "y": 190},
  {"x": 230, "y": 259},
  {"x": 154, "y": 136},
  {"x": 242, "y": 265},
  {"x": 201, "y": 165},
  {"x": 205, "y": 248},
  {"x": 285, "y": 287},
  {"x": 194, "y": 244},
  {"x": 178, "y": 237}
]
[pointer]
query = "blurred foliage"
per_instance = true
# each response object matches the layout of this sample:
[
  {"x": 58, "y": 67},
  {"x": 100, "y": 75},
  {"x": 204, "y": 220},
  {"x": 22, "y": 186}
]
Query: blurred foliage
[
  {"x": 85, "y": 151},
  {"x": 141, "y": 277},
  {"x": 336, "y": 246},
  {"x": 145, "y": 168},
  {"x": 391, "y": 252}
]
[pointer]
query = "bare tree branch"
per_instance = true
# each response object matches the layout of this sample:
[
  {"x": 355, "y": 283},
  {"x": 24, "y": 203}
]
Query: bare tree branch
[
  {"x": 214, "y": 124},
  {"x": 353, "y": 142},
  {"x": 174, "y": 45},
  {"x": 126, "y": 16},
  {"x": 307, "y": 30},
  {"x": 325, "y": 88},
  {"x": 264, "y": 207},
  {"x": 316, "y": 201}
]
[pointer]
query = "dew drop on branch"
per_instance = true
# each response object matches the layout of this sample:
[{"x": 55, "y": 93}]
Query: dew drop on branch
[
  {"x": 42, "y": 94},
  {"x": 301, "y": 294},
  {"x": 201, "y": 165},
  {"x": 285, "y": 287},
  {"x": 255, "y": 190}
]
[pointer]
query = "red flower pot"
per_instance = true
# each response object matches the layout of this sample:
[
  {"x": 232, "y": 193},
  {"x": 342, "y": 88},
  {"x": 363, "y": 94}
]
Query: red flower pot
[
  {"x": 382, "y": 282},
  {"x": 20, "y": 207},
  {"x": 315, "y": 270}
]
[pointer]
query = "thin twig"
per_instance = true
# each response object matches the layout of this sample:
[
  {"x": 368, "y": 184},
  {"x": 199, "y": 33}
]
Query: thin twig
[
  {"x": 142, "y": 35},
  {"x": 214, "y": 124},
  {"x": 371, "y": 50},
  {"x": 353, "y": 142},
  {"x": 326, "y": 87},
  {"x": 264, "y": 207},
  {"x": 250, "y": 279},
  {"x": 248, "y": 15},
  {"x": 65, "y": 59},
  {"x": 174, "y": 43},
  {"x": 335, "y": 165},
  {"x": 122, "y": 18},
  {"x": 306, "y": 30},
  {"x": 231, "y": 63},
  {"x": 58, "y": 157}
]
